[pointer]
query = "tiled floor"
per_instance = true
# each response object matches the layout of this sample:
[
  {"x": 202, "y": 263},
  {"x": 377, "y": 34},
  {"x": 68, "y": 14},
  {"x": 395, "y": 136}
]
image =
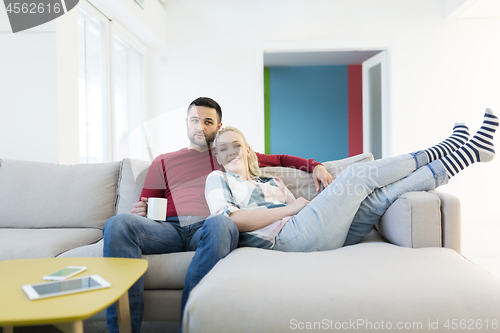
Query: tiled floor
[{"x": 481, "y": 243}]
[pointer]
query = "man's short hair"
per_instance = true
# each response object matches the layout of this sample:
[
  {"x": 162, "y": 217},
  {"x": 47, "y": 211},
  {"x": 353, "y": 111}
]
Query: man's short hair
[{"x": 209, "y": 103}]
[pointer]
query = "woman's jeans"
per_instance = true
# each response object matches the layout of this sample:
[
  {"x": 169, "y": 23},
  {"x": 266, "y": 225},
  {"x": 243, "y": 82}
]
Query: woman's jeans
[
  {"x": 131, "y": 236},
  {"x": 348, "y": 208}
]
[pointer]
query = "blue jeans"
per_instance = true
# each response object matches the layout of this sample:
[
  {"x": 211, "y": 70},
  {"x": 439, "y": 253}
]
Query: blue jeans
[
  {"x": 356, "y": 197},
  {"x": 374, "y": 206},
  {"x": 130, "y": 236}
]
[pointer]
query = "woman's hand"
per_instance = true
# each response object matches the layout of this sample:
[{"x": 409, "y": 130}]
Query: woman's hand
[
  {"x": 249, "y": 220},
  {"x": 297, "y": 205},
  {"x": 321, "y": 175}
]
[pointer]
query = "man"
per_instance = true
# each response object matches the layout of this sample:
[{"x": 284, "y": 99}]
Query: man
[{"x": 180, "y": 177}]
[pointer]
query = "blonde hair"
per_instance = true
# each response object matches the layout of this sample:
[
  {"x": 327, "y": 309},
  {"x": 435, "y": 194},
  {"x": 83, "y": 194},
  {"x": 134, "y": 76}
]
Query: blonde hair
[{"x": 253, "y": 162}]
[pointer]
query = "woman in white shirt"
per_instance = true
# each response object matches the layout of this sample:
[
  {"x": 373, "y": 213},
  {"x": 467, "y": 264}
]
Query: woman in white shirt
[{"x": 268, "y": 216}]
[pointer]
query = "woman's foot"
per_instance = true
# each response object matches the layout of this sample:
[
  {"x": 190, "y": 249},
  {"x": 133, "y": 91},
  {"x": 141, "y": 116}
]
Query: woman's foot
[
  {"x": 479, "y": 149},
  {"x": 459, "y": 137}
]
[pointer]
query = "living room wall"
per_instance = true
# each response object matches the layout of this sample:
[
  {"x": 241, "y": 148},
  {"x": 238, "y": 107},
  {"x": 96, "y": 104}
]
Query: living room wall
[
  {"x": 28, "y": 92},
  {"x": 442, "y": 70}
]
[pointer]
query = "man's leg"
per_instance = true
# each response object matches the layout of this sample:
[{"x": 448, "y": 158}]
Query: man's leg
[
  {"x": 213, "y": 241},
  {"x": 130, "y": 236}
]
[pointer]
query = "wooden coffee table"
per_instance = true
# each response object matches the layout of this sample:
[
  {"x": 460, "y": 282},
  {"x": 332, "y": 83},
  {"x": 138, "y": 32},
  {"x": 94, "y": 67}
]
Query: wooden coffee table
[{"x": 65, "y": 312}]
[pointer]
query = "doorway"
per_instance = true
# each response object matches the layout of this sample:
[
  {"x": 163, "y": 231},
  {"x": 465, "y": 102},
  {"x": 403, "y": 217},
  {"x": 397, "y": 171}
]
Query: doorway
[{"x": 330, "y": 105}]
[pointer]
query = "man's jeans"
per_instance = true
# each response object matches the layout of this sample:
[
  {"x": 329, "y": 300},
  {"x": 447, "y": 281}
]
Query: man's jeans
[
  {"x": 130, "y": 236},
  {"x": 347, "y": 209}
]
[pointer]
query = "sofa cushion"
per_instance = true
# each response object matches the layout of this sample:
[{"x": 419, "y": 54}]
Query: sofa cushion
[
  {"x": 43, "y": 243},
  {"x": 255, "y": 290},
  {"x": 165, "y": 271},
  {"x": 132, "y": 177},
  {"x": 301, "y": 183},
  {"x": 46, "y": 195}
]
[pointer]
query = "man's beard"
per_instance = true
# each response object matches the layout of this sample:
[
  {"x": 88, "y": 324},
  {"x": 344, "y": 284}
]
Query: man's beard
[{"x": 208, "y": 139}]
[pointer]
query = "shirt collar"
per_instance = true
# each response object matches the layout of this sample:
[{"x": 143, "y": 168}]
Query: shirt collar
[
  {"x": 233, "y": 174},
  {"x": 257, "y": 179}
]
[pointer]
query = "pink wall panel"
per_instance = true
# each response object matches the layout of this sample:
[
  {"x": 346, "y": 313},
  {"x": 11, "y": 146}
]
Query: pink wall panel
[{"x": 355, "y": 109}]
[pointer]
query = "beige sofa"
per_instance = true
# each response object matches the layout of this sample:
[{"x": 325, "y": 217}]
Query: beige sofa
[
  {"x": 51, "y": 210},
  {"x": 408, "y": 276}
]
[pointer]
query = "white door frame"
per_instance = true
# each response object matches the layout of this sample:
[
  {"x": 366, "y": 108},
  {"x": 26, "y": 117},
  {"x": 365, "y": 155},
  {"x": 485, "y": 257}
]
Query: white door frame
[{"x": 381, "y": 58}]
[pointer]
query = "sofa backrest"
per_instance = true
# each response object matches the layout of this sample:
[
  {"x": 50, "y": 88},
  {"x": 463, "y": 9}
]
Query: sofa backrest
[
  {"x": 46, "y": 195},
  {"x": 132, "y": 177},
  {"x": 299, "y": 182}
]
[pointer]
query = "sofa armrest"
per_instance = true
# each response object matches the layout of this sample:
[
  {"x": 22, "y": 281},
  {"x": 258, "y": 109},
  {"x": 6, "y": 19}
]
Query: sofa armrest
[
  {"x": 423, "y": 219},
  {"x": 450, "y": 220}
]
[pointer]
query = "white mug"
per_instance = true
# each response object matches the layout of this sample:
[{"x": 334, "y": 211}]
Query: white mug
[{"x": 157, "y": 209}]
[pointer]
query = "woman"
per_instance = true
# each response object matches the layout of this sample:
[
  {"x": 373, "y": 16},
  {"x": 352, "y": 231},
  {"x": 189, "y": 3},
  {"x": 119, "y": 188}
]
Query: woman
[{"x": 268, "y": 216}]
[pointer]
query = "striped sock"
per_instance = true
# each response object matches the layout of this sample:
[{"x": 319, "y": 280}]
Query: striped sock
[
  {"x": 479, "y": 149},
  {"x": 459, "y": 137}
]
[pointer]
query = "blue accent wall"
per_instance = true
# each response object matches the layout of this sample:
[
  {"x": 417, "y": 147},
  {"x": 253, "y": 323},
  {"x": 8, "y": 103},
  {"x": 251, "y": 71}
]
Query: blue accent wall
[{"x": 309, "y": 111}]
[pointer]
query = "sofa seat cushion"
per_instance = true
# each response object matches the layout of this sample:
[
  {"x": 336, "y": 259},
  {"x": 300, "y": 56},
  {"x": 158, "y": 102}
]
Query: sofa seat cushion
[
  {"x": 43, "y": 243},
  {"x": 165, "y": 271},
  {"x": 168, "y": 271},
  {"x": 255, "y": 290}
]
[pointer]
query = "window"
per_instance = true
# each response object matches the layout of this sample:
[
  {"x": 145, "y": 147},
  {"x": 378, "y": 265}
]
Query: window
[
  {"x": 92, "y": 88},
  {"x": 129, "y": 101},
  {"x": 111, "y": 90}
]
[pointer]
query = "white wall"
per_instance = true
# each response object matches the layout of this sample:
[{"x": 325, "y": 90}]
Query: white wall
[
  {"x": 67, "y": 87},
  {"x": 443, "y": 70},
  {"x": 28, "y": 92}
]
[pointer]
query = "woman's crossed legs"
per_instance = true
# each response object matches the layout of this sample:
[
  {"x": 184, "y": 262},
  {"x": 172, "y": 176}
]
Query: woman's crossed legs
[{"x": 364, "y": 191}]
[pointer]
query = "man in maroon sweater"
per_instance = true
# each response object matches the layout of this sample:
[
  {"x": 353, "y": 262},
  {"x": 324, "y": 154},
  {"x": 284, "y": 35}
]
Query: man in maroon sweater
[{"x": 180, "y": 177}]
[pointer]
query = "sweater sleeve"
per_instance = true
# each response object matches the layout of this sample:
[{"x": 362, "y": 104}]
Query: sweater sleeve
[
  {"x": 155, "y": 183},
  {"x": 287, "y": 161}
]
